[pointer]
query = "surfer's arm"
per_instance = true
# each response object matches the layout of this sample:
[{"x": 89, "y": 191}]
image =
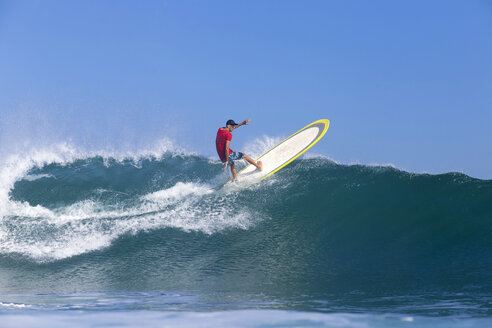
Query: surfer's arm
[{"x": 245, "y": 122}]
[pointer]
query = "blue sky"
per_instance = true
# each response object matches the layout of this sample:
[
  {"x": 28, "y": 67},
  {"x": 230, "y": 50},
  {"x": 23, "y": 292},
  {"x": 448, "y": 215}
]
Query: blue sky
[{"x": 403, "y": 82}]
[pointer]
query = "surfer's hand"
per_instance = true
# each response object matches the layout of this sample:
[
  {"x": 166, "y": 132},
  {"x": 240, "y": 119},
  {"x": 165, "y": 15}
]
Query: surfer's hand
[
  {"x": 245, "y": 122},
  {"x": 225, "y": 165}
]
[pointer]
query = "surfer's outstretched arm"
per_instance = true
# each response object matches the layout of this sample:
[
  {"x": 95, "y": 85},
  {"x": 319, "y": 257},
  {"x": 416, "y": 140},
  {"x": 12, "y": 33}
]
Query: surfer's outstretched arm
[{"x": 245, "y": 122}]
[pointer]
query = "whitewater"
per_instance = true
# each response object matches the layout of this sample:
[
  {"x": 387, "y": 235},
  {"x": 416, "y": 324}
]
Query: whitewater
[{"x": 86, "y": 233}]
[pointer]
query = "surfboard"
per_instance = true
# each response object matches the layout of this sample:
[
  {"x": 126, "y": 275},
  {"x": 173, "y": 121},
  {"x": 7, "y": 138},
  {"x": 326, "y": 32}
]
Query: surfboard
[{"x": 284, "y": 152}]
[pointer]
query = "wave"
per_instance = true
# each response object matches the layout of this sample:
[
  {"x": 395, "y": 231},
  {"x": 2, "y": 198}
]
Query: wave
[{"x": 316, "y": 224}]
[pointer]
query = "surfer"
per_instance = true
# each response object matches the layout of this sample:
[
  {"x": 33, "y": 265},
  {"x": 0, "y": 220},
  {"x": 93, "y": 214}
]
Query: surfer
[{"x": 226, "y": 154}]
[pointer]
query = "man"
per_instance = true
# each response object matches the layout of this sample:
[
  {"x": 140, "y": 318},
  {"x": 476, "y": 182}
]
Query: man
[{"x": 226, "y": 154}]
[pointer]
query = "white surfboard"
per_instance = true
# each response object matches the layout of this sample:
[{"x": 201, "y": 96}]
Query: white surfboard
[{"x": 284, "y": 153}]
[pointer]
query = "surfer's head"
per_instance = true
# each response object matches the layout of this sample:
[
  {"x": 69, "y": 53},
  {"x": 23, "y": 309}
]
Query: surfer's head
[{"x": 231, "y": 124}]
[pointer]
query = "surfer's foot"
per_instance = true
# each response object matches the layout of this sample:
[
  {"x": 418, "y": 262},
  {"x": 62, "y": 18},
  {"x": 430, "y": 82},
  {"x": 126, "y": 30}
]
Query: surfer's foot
[{"x": 260, "y": 165}]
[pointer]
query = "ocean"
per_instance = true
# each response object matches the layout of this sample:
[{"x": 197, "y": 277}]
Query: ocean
[{"x": 148, "y": 239}]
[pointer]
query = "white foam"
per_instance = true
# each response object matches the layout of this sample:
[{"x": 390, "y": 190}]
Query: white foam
[
  {"x": 178, "y": 191},
  {"x": 34, "y": 177},
  {"x": 88, "y": 225},
  {"x": 50, "y": 234},
  {"x": 13, "y": 305},
  {"x": 72, "y": 233}
]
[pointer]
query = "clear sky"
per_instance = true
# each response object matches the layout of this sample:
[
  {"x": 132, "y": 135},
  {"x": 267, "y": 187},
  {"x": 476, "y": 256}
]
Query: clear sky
[{"x": 403, "y": 82}]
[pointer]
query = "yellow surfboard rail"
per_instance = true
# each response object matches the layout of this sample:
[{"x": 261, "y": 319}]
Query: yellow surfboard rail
[{"x": 326, "y": 125}]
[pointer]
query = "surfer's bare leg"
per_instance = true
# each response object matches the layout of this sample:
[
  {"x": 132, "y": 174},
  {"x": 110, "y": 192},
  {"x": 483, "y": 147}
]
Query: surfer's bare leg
[
  {"x": 233, "y": 171},
  {"x": 259, "y": 164}
]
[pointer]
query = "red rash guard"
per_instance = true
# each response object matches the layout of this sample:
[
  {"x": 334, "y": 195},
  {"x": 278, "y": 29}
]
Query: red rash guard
[{"x": 220, "y": 142}]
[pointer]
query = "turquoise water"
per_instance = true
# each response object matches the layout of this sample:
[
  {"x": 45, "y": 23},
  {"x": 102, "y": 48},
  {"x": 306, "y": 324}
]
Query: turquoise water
[{"x": 147, "y": 241}]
